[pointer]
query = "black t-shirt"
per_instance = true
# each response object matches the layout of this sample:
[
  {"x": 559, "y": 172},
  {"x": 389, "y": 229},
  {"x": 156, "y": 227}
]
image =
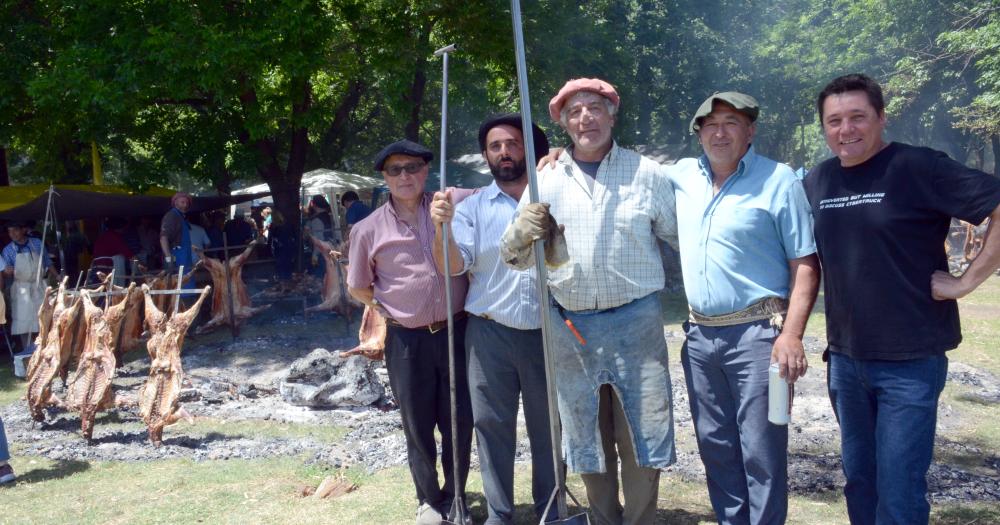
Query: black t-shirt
[{"x": 880, "y": 232}]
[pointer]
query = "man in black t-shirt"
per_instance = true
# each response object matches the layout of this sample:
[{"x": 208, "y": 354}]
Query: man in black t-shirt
[{"x": 882, "y": 212}]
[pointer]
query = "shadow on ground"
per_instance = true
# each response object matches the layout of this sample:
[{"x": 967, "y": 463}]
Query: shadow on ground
[{"x": 58, "y": 470}]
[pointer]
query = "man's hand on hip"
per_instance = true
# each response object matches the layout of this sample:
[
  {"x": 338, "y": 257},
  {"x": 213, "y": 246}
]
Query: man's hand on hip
[{"x": 946, "y": 286}]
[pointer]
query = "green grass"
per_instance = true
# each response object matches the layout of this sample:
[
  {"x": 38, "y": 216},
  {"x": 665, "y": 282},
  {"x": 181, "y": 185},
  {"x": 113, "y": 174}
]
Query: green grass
[
  {"x": 11, "y": 388},
  {"x": 980, "y": 314}
]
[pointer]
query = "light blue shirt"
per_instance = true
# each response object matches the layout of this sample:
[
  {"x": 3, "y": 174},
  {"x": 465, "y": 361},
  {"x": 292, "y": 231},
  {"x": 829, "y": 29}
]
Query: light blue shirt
[
  {"x": 32, "y": 245},
  {"x": 735, "y": 246},
  {"x": 496, "y": 291}
]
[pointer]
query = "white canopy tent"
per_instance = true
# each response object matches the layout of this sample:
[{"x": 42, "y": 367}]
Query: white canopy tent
[{"x": 328, "y": 183}]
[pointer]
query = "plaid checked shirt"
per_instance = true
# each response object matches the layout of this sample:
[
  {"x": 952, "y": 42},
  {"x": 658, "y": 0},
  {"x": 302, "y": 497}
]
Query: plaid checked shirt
[{"x": 612, "y": 233}]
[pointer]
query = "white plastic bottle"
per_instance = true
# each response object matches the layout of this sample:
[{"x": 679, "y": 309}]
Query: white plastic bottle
[{"x": 779, "y": 397}]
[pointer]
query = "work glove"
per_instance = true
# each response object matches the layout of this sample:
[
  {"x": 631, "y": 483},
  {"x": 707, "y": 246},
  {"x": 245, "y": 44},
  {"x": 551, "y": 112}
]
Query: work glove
[{"x": 534, "y": 222}]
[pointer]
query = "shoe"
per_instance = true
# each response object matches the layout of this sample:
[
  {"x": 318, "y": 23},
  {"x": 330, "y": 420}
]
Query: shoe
[
  {"x": 428, "y": 515},
  {"x": 7, "y": 474}
]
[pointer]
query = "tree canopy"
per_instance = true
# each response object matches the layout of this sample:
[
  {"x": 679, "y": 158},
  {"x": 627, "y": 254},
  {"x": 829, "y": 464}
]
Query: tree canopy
[{"x": 215, "y": 92}]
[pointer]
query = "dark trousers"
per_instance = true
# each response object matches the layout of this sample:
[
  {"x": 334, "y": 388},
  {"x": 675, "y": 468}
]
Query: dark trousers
[
  {"x": 745, "y": 455},
  {"x": 417, "y": 362},
  {"x": 506, "y": 364}
]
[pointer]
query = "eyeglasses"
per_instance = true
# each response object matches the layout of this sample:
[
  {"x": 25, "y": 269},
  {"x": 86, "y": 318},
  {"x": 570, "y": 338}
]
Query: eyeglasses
[{"x": 411, "y": 168}]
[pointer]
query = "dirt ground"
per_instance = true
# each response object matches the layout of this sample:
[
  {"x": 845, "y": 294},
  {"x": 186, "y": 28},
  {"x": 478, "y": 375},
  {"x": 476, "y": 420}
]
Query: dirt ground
[{"x": 235, "y": 381}]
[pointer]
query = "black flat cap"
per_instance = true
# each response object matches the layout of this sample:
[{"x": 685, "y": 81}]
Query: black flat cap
[
  {"x": 514, "y": 119},
  {"x": 20, "y": 224},
  {"x": 402, "y": 147}
]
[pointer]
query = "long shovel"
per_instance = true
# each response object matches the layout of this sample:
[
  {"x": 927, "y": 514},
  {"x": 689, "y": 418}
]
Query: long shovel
[
  {"x": 558, "y": 497},
  {"x": 457, "y": 516}
]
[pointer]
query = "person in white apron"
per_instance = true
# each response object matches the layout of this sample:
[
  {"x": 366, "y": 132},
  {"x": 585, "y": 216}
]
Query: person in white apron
[{"x": 21, "y": 259}]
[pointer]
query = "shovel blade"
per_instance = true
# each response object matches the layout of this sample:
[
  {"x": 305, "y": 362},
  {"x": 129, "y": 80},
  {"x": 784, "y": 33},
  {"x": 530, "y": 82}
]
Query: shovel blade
[{"x": 576, "y": 519}]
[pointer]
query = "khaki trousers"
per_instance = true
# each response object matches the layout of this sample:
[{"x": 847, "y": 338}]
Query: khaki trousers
[{"x": 640, "y": 485}]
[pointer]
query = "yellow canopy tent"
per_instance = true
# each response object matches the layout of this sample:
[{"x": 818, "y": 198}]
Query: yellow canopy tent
[{"x": 82, "y": 201}]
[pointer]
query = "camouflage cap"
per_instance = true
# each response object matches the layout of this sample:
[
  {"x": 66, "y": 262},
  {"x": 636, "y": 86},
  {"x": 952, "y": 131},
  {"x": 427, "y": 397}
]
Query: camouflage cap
[{"x": 743, "y": 103}]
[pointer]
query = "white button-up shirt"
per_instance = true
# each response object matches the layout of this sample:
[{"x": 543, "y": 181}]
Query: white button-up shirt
[
  {"x": 611, "y": 232},
  {"x": 497, "y": 291}
]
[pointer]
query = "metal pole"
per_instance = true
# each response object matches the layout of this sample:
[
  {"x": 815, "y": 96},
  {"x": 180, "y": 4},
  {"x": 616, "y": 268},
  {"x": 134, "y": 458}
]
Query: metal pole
[
  {"x": 539, "y": 249},
  {"x": 457, "y": 507},
  {"x": 180, "y": 279},
  {"x": 45, "y": 227}
]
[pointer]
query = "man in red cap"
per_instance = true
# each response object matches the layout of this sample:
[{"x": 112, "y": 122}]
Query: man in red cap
[
  {"x": 613, "y": 382},
  {"x": 175, "y": 233}
]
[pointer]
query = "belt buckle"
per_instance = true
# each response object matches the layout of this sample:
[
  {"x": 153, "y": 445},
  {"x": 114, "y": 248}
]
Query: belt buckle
[{"x": 430, "y": 328}]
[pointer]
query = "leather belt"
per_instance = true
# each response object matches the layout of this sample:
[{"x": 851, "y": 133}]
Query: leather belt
[
  {"x": 433, "y": 327},
  {"x": 772, "y": 308}
]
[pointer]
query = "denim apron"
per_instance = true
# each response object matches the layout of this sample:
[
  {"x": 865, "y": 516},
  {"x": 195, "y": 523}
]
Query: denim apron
[
  {"x": 182, "y": 253},
  {"x": 625, "y": 348}
]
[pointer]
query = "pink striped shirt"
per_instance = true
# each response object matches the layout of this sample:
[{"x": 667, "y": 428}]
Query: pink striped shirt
[{"x": 395, "y": 258}]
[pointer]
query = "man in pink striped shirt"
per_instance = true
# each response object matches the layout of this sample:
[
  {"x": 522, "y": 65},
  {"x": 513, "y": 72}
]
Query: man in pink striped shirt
[{"x": 392, "y": 269}]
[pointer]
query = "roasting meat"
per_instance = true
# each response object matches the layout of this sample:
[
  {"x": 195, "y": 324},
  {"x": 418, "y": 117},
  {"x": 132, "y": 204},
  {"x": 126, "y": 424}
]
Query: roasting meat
[
  {"x": 89, "y": 390},
  {"x": 335, "y": 296},
  {"x": 44, "y": 323},
  {"x": 221, "y": 303},
  {"x": 371, "y": 336},
  {"x": 128, "y": 333},
  {"x": 158, "y": 398},
  {"x": 164, "y": 281},
  {"x": 48, "y": 360}
]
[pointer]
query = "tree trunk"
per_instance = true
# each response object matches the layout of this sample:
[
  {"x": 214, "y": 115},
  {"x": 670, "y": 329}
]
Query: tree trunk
[
  {"x": 4, "y": 175},
  {"x": 416, "y": 97},
  {"x": 995, "y": 140},
  {"x": 223, "y": 180},
  {"x": 419, "y": 84}
]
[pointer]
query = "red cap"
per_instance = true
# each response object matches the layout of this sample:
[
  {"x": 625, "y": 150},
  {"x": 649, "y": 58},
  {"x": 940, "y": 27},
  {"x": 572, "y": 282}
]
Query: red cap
[
  {"x": 180, "y": 195},
  {"x": 595, "y": 85}
]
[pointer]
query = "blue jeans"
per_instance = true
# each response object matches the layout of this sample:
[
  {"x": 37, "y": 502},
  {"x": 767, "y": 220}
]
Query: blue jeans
[
  {"x": 625, "y": 348},
  {"x": 745, "y": 455},
  {"x": 4, "y": 452},
  {"x": 887, "y": 412}
]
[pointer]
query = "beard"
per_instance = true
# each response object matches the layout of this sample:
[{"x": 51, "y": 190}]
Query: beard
[{"x": 508, "y": 173}]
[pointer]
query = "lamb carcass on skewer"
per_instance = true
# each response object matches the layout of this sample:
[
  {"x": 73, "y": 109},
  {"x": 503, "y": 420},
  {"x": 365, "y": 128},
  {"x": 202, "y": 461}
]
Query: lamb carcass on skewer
[
  {"x": 49, "y": 359},
  {"x": 371, "y": 336},
  {"x": 221, "y": 302},
  {"x": 128, "y": 333},
  {"x": 89, "y": 389},
  {"x": 158, "y": 398},
  {"x": 45, "y": 312},
  {"x": 165, "y": 281},
  {"x": 335, "y": 296}
]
